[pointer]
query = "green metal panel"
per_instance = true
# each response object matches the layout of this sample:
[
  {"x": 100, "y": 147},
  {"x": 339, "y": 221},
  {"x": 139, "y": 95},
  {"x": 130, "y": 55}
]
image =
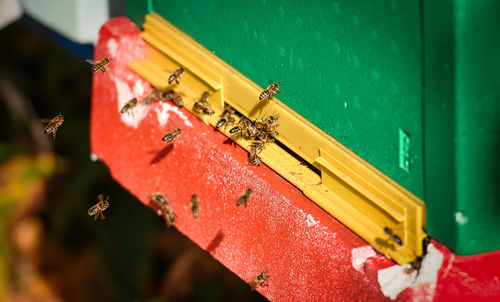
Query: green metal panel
[
  {"x": 353, "y": 68},
  {"x": 462, "y": 124}
]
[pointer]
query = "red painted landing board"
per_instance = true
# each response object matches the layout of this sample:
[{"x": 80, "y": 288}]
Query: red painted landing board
[{"x": 309, "y": 255}]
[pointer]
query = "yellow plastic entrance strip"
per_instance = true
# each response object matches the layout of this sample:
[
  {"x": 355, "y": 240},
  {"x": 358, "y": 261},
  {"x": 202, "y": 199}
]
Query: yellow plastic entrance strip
[{"x": 350, "y": 189}]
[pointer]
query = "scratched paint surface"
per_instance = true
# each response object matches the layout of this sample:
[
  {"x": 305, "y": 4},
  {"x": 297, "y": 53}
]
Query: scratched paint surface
[{"x": 309, "y": 255}]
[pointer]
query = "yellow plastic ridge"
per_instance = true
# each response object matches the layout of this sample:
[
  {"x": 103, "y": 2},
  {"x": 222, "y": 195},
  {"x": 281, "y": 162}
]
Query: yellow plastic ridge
[{"x": 356, "y": 193}]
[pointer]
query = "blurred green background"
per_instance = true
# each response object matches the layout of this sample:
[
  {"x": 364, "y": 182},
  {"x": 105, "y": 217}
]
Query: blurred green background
[{"x": 50, "y": 250}]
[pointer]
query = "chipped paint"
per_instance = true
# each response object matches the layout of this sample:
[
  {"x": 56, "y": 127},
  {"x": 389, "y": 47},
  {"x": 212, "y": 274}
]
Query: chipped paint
[
  {"x": 125, "y": 94},
  {"x": 162, "y": 113},
  {"x": 393, "y": 280},
  {"x": 461, "y": 219},
  {"x": 359, "y": 256},
  {"x": 112, "y": 47},
  {"x": 310, "y": 221},
  {"x": 93, "y": 157}
]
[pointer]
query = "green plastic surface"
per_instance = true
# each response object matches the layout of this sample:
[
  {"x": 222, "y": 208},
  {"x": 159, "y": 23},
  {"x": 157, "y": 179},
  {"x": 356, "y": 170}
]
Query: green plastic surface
[
  {"x": 357, "y": 69},
  {"x": 462, "y": 123}
]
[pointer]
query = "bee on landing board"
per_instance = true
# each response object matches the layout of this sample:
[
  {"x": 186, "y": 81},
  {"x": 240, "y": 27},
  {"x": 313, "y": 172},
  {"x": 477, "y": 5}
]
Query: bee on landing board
[
  {"x": 245, "y": 128},
  {"x": 166, "y": 210},
  {"x": 202, "y": 105},
  {"x": 129, "y": 106},
  {"x": 175, "y": 76},
  {"x": 98, "y": 208},
  {"x": 153, "y": 96},
  {"x": 171, "y": 135},
  {"x": 53, "y": 124},
  {"x": 226, "y": 117},
  {"x": 269, "y": 91},
  {"x": 194, "y": 204},
  {"x": 243, "y": 200},
  {"x": 259, "y": 280},
  {"x": 255, "y": 149},
  {"x": 392, "y": 235},
  {"x": 99, "y": 65}
]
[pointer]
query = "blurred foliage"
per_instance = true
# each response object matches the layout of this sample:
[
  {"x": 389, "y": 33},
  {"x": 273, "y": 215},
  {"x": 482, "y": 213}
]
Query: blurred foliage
[{"x": 50, "y": 250}]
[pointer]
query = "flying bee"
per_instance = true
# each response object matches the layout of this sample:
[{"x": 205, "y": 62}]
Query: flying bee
[
  {"x": 128, "y": 107},
  {"x": 98, "y": 208},
  {"x": 53, "y": 124},
  {"x": 269, "y": 91},
  {"x": 226, "y": 117},
  {"x": 392, "y": 235},
  {"x": 259, "y": 280},
  {"x": 99, "y": 65},
  {"x": 171, "y": 135},
  {"x": 175, "y": 76},
  {"x": 244, "y": 198},
  {"x": 194, "y": 203}
]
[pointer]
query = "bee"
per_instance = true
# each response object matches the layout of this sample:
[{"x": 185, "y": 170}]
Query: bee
[
  {"x": 254, "y": 159},
  {"x": 269, "y": 91},
  {"x": 154, "y": 95},
  {"x": 99, "y": 65},
  {"x": 177, "y": 99},
  {"x": 129, "y": 106},
  {"x": 195, "y": 205},
  {"x": 245, "y": 127},
  {"x": 268, "y": 126},
  {"x": 259, "y": 280},
  {"x": 159, "y": 199},
  {"x": 175, "y": 76},
  {"x": 204, "y": 97},
  {"x": 171, "y": 135},
  {"x": 255, "y": 149},
  {"x": 53, "y": 124},
  {"x": 417, "y": 263},
  {"x": 226, "y": 117},
  {"x": 169, "y": 217},
  {"x": 390, "y": 232},
  {"x": 98, "y": 208},
  {"x": 244, "y": 198},
  {"x": 166, "y": 210},
  {"x": 208, "y": 111},
  {"x": 202, "y": 105}
]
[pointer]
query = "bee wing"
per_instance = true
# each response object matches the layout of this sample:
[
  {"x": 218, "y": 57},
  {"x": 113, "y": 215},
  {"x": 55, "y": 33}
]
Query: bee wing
[
  {"x": 102, "y": 216},
  {"x": 90, "y": 61},
  {"x": 45, "y": 120}
]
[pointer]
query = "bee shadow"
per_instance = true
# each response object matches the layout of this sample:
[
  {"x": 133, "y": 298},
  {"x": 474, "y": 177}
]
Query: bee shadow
[
  {"x": 384, "y": 244},
  {"x": 258, "y": 107},
  {"x": 162, "y": 153},
  {"x": 230, "y": 142},
  {"x": 214, "y": 244}
]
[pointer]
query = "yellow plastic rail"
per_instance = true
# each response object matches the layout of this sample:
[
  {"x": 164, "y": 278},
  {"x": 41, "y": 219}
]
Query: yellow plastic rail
[{"x": 350, "y": 189}]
